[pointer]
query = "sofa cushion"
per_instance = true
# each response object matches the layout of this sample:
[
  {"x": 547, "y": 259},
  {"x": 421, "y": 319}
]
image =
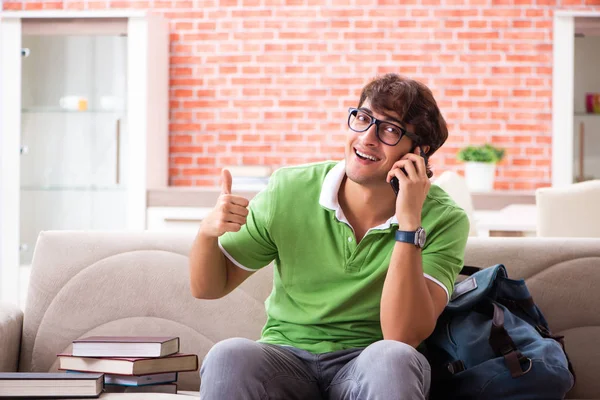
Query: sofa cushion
[{"x": 11, "y": 323}]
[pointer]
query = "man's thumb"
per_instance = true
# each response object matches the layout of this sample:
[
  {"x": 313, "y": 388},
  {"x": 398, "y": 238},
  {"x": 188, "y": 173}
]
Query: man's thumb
[{"x": 226, "y": 181}]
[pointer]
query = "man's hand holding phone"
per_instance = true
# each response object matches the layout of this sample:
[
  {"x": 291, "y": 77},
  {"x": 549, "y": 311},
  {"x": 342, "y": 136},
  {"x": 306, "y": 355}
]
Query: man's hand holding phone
[
  {"x": 229, "y": 213},
  {"x": 413, "y": 187}
]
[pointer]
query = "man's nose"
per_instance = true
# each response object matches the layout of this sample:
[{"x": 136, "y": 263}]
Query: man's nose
[{"x": 369, "y": 137}]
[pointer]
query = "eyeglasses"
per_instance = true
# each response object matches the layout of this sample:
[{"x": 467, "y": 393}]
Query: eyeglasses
[{"x": 387, "y": 132}]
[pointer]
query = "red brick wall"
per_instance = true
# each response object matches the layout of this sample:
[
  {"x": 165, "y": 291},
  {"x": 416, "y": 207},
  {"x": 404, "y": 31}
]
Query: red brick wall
[{"x": 269, "y": 81}]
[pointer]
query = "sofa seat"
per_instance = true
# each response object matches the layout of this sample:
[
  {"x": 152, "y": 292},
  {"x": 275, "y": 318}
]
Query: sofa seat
[{"x": 137, "y": 283}]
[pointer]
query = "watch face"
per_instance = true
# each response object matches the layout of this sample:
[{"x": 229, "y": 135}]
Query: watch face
[{"x": 421, "y": 236}]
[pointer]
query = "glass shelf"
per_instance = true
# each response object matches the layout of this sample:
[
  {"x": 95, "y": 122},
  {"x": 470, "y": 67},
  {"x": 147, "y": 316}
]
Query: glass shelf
[
  {"x": 58, "y": 188},
  {"x": 39, "y": 110}
]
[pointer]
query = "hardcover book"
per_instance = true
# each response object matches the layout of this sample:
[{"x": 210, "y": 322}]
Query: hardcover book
[
  {"x": 125, "y": 346},
  {"x": 61, "y": 384},
  {"x": 178, "y": 362}
]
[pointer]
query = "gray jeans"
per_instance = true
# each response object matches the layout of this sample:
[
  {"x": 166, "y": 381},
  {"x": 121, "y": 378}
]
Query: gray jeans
[{"x": 242, "y": 369}]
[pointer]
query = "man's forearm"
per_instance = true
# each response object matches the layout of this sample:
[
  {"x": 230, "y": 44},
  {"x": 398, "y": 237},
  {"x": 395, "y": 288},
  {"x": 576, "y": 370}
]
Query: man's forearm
[
  {"x": 406, "y": 306},
  {"x": 208, "y": 273}
]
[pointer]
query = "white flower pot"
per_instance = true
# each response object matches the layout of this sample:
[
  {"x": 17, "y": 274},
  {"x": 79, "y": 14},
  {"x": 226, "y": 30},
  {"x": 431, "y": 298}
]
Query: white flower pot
[{"x": 480, "y": 176}]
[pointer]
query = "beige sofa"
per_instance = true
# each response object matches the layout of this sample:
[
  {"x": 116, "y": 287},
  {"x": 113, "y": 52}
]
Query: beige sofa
[
  {"x": 85, "y": 283},
  {"x": 569, "y": 211}
]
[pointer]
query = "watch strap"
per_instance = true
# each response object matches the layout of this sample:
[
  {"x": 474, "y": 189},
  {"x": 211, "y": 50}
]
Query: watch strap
[{"x": 406, "y": 236}]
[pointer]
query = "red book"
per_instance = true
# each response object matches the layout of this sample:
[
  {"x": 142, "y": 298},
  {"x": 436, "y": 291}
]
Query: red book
[{"x": 179, "y": 362}]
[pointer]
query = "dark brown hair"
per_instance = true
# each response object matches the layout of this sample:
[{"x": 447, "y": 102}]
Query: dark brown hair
[{"x": 413, "y": 102}]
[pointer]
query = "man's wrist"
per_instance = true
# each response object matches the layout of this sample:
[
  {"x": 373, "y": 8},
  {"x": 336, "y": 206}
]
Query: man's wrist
[
  {"x": 409, "y": 225},
  {"x": 416, "y": 236},
  {"x": 205, "y": 236}
]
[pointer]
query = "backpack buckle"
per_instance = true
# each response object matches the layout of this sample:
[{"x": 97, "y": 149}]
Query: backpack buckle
[
  {"x": 455, "y": 367},
  {"x": 515, "y": 360}
]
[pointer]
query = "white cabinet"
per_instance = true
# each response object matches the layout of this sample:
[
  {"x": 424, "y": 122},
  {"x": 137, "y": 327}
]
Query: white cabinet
[
  {"x": 83, "y": 125},
  {"x": 576, "y": 52},
  {"x": 176, "y": 219}
]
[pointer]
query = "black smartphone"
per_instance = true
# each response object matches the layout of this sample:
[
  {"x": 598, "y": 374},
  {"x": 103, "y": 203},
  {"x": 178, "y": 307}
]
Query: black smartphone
[{"x": 394, "y": 181}]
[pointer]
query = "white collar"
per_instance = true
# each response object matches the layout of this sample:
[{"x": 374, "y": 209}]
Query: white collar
[{"x": 329, "y": 195}]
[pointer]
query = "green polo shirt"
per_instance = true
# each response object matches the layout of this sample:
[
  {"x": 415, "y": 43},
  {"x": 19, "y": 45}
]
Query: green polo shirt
[{"x": 327, "y": 288}]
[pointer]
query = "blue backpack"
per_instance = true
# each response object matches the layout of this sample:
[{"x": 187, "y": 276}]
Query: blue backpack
[{"x": 492, "y": 342}]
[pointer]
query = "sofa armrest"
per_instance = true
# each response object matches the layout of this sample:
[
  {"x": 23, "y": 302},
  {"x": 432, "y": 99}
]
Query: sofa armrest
[{"x": 11, "y": 326}]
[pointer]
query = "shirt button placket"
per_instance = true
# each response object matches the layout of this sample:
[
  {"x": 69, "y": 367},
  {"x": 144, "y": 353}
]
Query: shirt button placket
[
  {"x": 347, "y": 246},
  {"x": 350, "y": 245}
]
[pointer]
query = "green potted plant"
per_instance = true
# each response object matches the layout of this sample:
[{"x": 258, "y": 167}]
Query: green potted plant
[{"x": 480, "y": 166}]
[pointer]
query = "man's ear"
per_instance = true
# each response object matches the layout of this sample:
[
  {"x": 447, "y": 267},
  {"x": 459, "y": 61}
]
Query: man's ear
[{"x": 425, "y": 149}]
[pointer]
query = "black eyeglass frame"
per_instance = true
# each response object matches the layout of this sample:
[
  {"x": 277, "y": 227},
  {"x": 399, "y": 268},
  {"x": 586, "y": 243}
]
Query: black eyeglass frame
[{"x": 376, "y": 122}]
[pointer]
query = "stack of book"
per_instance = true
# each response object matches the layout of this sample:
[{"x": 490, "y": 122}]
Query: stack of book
[{"x": 130, "y": 363}]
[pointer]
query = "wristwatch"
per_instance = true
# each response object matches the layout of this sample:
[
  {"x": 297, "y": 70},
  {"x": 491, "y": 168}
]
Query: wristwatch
[{"x": 414, "y": 237}]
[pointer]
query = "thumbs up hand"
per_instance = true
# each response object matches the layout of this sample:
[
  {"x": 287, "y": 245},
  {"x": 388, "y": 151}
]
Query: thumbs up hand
[
  {"x": 229, "y": 213},
  {"x": 226, "y": 181}
]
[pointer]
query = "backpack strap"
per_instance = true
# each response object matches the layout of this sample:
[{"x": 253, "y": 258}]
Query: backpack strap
[{"x": 503, "y": 345}]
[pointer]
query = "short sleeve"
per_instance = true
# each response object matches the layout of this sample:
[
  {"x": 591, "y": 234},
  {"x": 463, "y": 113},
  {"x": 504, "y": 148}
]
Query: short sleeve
[
  {"x": 252, "y": 247},
  {"x": 443, "y": 258}
]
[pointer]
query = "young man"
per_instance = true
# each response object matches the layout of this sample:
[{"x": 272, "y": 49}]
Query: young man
[{"x": 360, "y": 274}]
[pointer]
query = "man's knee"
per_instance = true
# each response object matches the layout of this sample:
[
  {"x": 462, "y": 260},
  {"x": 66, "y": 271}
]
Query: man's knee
[
  {"x": 392, "y": 355},
  {"x": 389, "y": 369},
  {"x": 232, "y": 354}
]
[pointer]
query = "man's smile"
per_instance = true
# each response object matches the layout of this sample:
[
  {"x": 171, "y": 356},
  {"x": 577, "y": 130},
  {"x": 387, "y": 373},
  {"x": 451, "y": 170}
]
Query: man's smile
[{"x": 365, "y": 156}]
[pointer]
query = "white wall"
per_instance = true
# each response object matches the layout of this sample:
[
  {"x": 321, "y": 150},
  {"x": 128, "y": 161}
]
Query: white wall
[
  {"x": 587, "y": 79},
  {"x": 69, "y": 152}
]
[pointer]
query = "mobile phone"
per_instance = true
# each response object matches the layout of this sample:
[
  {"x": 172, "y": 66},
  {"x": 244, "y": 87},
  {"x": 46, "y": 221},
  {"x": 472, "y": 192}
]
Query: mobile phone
[{"x": 394, "y": 181}]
